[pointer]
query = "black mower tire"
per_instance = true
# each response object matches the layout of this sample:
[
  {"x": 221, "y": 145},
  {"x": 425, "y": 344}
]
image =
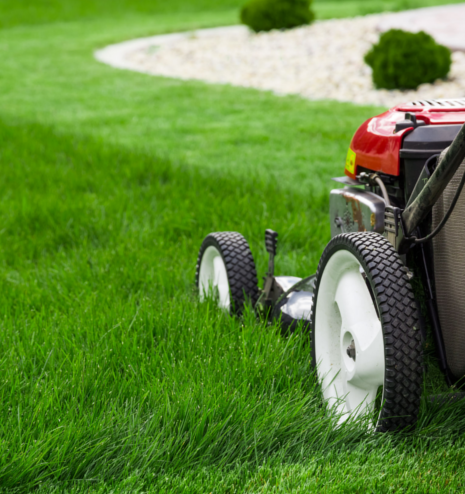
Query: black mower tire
[
  {"x": 240, "y": 268},
  {"x": 388, "y": 283}
]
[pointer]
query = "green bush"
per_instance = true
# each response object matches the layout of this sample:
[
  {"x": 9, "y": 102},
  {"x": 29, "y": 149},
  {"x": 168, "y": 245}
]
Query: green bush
[
  {"x": 403, "y": 60},
  {"x": 265, "y": 15}
]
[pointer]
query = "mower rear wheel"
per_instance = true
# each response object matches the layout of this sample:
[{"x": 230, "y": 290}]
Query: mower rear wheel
[
  {"x": 226, "y": 271},
  {"x": 366, "y": 339}
]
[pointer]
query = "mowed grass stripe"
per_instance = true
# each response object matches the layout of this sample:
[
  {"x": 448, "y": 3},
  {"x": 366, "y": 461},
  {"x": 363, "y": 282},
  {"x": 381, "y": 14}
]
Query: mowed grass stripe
[{"x": 50, "y": 76}]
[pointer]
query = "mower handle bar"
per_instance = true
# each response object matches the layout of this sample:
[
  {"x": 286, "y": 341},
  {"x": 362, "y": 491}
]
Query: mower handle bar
[{"x": 414, "y": 214}]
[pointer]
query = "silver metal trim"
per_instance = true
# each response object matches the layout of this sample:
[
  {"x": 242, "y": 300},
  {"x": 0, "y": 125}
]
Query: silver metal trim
[
  {"x": 287, "y": 282},
  {"x": 299, "y": 305},
  {"x": 355, "y": 210}
]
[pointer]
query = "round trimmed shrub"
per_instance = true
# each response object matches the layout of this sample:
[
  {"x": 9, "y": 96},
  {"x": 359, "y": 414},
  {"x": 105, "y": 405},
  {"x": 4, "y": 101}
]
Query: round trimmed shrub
[
  {"x": 404, "y": 60},
  {"x": 265, "y": 15}
]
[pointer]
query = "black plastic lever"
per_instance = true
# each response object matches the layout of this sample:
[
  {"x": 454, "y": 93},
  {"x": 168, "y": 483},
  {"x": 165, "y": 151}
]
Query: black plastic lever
[{"x": 271, "y": 241}]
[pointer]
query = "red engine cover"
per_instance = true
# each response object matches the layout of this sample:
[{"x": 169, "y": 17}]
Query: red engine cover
[{"x": 376, "y": 145}]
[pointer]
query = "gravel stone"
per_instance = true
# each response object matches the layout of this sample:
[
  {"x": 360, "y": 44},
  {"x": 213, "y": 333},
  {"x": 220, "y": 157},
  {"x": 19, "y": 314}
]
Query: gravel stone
[{"x": 320, "y": 61}]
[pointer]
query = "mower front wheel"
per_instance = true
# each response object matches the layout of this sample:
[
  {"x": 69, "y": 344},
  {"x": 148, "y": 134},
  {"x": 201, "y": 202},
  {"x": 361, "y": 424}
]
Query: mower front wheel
[
  {"x": 366, "y": 339},
  {"x": 226, "y": 271}
]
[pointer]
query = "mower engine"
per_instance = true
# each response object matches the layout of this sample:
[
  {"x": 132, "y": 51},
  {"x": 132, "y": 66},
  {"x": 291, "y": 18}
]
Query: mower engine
[
  {"x": 401, "y": 148},
  {"x": 395, "y": 147}
]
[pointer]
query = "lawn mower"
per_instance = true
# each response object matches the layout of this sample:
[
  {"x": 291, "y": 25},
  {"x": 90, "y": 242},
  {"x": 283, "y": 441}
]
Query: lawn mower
[{"x": 392, "y": 274}]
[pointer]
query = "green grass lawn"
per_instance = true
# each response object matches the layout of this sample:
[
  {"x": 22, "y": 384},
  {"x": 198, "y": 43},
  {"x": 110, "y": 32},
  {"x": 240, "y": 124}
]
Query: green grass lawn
[
  {"x": 29, "y": 12},
  {"x": 113, "y": 377}
]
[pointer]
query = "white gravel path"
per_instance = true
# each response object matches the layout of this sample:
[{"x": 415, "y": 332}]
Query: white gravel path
[{"x": 321, "y": 61}]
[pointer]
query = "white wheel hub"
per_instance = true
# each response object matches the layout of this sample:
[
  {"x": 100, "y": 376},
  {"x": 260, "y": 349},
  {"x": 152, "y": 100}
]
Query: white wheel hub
[
  {"x": 349, "y": 343},
  {"x": 213, "y": 278}
]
